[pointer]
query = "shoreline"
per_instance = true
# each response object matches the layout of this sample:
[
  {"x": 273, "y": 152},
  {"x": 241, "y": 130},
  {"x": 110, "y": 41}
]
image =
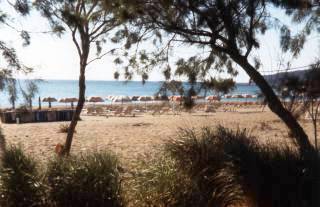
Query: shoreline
[{"x": 133, "y": 103}]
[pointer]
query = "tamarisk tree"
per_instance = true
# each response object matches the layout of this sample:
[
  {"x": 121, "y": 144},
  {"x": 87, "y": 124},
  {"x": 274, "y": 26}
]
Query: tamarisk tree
[
  {"x": 9, "y": 56},
  {"x": 88, "y": 22},
  {"x": 230, "y": 31},
  {"x": 12, "y": 91}
]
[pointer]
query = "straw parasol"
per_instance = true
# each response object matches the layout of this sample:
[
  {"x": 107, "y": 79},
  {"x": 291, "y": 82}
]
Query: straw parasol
[
  {"x": 145, "y": 98},
  {"x": 70, "y": 100},
  {"x": 160, "y": 98},
  {"x": 95, "y": 99},
  {"x": 134, "y": 98},
  {"x": 49, "y": 100}
]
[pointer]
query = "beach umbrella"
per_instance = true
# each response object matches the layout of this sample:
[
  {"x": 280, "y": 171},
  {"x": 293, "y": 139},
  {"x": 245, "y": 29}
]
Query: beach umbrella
[
  {"x": 161, "y": 98},
  {"x": 95, "y": 99},
  {"x": 134, "y": 98},
  {"x": 49, "y": 100},
  {"x": 70, "y": 100},
  {"x": 145, "y": 98},
  {"x": 121, "y": 99}
]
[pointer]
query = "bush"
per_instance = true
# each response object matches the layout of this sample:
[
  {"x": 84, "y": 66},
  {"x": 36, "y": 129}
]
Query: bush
[
  {"x": 158, "y": 182},
  {"x": 88, "y": 180},
  {"x": 232, "y": 168},
  {"x": 20, "y": 181},
  {"x": 64, "y": 128}
]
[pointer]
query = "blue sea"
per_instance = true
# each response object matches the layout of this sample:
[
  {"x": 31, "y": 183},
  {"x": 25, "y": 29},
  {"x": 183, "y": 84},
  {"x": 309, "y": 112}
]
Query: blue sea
[{"x": 69, "y": 88}]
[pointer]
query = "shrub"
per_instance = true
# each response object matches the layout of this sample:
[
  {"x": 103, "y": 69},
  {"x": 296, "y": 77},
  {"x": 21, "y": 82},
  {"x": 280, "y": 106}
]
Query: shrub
[
  {"x": 158, "y": 182},
  {"x": 87, "y": 180},
  {"x": 64, "y": 128},
  {"x": 232, "y": 168},
  {"x": 20, "y": 181}
]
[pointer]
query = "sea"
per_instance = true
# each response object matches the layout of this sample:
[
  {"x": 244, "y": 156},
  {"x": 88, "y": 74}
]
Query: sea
[{"x": 69, "y": 88}]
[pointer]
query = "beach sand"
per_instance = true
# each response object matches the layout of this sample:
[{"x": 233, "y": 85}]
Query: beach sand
[{"x": 141, "y": 136}]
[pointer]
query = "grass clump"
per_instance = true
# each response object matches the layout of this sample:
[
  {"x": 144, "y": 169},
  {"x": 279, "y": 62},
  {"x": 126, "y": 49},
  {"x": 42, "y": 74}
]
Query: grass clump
[
  {"x": 64, "y": 128},
  {"x": 158, "y": 182},
  {"x": 86, "y": 180},
  {"x": 20, "y": 181},
  {"x": 232, "y": 168}
]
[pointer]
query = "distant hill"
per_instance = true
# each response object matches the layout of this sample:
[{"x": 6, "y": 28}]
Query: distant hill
[{"x": 275, "y": 78}]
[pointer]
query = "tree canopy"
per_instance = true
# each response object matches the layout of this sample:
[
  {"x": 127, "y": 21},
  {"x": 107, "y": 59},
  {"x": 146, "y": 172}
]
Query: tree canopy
[
  {"x": 229, "y": 31},
  {"x": 89, "y": 23}
]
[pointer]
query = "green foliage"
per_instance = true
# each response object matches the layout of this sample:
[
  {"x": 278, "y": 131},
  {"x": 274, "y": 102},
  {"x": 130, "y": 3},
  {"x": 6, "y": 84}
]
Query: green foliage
[
  {"x": 8, "y": 53},
  {"x": 21, "y": 184},
  {"x": 170, "y": 86},
  {"x": 218, "y": 86},
  {"x": 89, "y": 23},
  {"x": 30, "y": 91},
  {"x": 305, "y": 13},
  {"x": 87, "y": 180},
  {"x": 231, "y": 167},
  {"x": 12, "y": 91},
  {"x": 223, "y": 34},
  {"x": 159, "y": 182}
]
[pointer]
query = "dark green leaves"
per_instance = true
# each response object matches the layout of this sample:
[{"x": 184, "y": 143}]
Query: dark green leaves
[{"x": 22, "y": 6}]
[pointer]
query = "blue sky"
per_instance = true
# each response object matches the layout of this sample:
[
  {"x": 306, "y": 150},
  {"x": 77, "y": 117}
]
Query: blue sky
[{"x": 56, "y": 58}]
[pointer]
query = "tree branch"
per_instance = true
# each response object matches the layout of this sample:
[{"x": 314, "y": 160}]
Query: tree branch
[{"x": 101, "y": 56}]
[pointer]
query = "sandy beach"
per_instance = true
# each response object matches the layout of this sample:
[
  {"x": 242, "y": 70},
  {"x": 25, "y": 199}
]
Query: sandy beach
[{"x": 136, "y": 137}]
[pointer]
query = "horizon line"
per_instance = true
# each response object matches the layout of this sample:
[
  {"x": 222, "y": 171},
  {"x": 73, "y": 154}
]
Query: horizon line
[{"x": 47, "y": 79}]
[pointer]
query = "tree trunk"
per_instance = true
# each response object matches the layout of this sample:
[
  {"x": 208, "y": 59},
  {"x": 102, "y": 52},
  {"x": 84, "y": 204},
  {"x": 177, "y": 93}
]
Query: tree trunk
[
  {"x": 315, "y": 134},
  {"x": 276, "y": 106},
  {"x": 76, "y": 115},
  {"x": 30, "y": 104},
  {"x": 39, "y": 100}
]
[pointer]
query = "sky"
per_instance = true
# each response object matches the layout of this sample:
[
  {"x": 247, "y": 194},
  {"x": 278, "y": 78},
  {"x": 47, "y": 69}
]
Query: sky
[{"x": 56, "y": 58}]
